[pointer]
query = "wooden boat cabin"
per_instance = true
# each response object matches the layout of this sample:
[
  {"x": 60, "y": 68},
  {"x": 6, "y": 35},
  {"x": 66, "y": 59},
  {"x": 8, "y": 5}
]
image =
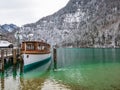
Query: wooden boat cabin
[{"x": 35, "y": 47}]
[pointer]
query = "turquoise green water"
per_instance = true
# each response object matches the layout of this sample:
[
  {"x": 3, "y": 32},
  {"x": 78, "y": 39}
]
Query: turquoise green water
[{"x": 77, "y": 69}]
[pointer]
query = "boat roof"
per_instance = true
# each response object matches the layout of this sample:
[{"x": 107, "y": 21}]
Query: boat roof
[
  {"x": 33, "y": 42},
  {"x": 5, "y": 44},
  {"x": 42, "y": 42}
]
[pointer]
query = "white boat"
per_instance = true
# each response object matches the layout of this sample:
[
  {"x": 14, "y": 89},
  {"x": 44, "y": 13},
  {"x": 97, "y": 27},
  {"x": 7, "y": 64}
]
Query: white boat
[{"x": 35, "y": 54}]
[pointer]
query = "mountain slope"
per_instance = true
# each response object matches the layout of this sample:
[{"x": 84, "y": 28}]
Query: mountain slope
[
  {"x": 81, "y": 23},
  {"x": 8, "y": 28},
  {"x": 8, "y": 31}
]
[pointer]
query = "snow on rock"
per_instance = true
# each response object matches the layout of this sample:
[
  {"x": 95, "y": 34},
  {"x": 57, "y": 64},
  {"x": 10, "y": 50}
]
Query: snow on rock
[{"x": 81, "y": 23}]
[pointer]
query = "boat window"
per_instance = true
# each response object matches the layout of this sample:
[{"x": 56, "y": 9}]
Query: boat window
[
  {"x": 30, "y": 46},
  {"x": 43, "y": 47},
  {"x": 40, "y": 47}
]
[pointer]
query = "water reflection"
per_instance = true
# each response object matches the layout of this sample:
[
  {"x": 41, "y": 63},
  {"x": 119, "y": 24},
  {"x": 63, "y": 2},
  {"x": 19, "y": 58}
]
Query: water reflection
[
  {"x": 33, "y": 83},
  {"x": 70, "y": 57},
  {"x": 39, "y": 79},
  {"x": 75, "y": 69},
  {"x": 88, "y": 69},
  {"x": 14, "y": 71},
  {"x": 14, "y": 78}
]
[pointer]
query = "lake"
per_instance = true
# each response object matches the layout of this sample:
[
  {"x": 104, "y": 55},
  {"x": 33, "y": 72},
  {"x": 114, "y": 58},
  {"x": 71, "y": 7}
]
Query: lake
[{"x": 75, "y": 69}]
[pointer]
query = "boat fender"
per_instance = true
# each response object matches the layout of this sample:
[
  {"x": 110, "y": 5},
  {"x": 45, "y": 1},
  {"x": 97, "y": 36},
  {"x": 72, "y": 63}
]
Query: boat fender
[{"x": 27, "y": 56}]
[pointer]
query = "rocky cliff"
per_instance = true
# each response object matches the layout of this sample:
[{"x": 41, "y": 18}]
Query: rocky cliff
[{"x": 81, "y": 23}]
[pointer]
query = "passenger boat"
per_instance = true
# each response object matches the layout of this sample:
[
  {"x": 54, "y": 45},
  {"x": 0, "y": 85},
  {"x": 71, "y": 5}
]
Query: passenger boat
[{"x": 35, "y": 54}]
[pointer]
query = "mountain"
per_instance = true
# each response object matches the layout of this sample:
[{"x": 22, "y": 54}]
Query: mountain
[
  {"x": 8, "y": 27},
  {"x": 8, "y": 31},
  {"x": 81, "y": 23}
]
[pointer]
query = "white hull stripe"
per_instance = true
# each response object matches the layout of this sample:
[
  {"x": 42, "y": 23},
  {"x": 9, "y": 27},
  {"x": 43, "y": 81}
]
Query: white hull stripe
[{"x": 36, "y": 64}]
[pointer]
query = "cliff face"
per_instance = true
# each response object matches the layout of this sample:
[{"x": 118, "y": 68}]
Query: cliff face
[{"x": 81, "y": 23}]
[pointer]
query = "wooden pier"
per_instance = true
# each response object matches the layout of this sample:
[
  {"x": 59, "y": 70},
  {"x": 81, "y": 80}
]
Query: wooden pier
[{"x": 8, "y": 55}]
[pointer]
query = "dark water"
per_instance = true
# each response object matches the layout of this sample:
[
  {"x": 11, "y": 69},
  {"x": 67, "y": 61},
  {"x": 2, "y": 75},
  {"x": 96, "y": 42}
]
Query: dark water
[{"x": 77, "y": 69}]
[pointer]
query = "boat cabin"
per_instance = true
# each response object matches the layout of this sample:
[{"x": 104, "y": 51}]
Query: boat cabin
[{"x": 35, "y": 47}]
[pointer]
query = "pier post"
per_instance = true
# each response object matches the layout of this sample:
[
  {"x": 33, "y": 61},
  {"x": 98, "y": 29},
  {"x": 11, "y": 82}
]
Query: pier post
[
  {"x": 6, "y": 55},
  {"x": 2, "y": 81},
  {"x": 14, "y": 56},
  {"x": 55, "y": 57},
  {"x": 6, "y": 52},
  {"x": 2, "y": 60},
  {"x": 21, "y": 66},
  {"x": 21, "y": 60},
  {"x": 19, "y": 51}
]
